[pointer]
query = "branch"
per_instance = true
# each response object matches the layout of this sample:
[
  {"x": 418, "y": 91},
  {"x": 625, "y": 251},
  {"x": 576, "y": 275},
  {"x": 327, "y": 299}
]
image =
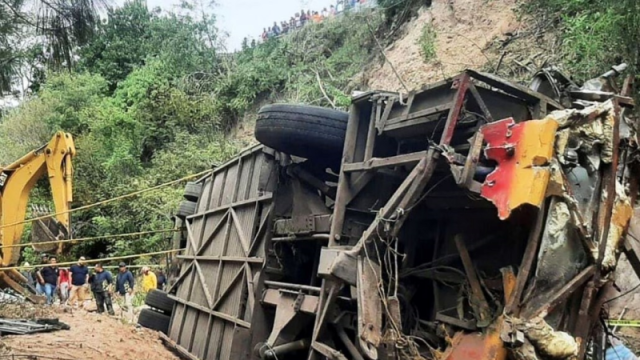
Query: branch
[
  {"x": 385, "y": 55},
  {"x": 28, "y": 21},
  {"x": 322, "y": 89}
]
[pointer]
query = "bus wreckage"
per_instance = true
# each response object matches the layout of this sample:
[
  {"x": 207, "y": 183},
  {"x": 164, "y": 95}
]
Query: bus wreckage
[{"x": 471, "y": 219}]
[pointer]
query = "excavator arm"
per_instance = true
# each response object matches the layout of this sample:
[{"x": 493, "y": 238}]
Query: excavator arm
[{"x": 16, "y": 182}]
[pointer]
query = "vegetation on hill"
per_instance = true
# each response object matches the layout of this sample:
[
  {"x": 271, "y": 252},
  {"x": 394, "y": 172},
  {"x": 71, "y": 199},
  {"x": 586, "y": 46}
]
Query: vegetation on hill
[
  {"x": 595, "y": 34},
  {"x": 151, "y": 97}
]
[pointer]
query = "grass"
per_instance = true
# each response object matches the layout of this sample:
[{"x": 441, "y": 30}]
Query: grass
[{"x": 427, "y": 43}]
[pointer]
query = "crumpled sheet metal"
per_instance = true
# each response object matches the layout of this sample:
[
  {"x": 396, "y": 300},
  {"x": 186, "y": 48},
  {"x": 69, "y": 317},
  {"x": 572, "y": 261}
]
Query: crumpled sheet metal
[
  {"x": 523, "y": 152},
  {"x": 622, "y": 213},
  {"x": 592, "y": 125},
  {"x": 546, "y": 341}
]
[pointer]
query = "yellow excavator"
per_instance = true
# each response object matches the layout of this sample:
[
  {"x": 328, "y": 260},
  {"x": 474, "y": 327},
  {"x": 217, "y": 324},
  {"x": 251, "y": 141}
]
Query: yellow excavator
[{"x": 16, "y": 182}]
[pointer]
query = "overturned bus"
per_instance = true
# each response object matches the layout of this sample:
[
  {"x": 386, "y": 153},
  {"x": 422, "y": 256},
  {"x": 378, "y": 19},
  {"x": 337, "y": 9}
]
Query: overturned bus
[{"x": 471, "y": 219}]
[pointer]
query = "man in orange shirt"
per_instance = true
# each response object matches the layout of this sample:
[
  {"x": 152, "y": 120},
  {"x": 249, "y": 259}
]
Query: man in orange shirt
[{"x": 316, "y": 18}]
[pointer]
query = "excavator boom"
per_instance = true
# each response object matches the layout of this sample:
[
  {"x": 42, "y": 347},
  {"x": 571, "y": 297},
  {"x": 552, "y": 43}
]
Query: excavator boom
[{"x": 16, "y": 182}]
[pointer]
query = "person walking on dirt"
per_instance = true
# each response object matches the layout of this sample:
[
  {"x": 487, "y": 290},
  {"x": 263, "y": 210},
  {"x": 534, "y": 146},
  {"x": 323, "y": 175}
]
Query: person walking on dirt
[
  {"x": 101, "y": 287},
  {"x": 63, "y": 285},
  {"x": 79, "y": 282},
  {"x": 48, "y": 278},
  {"x": 44, "y": 259},
  {"x": 149, "y": 280},
  {"x": 124, "y": 287}
]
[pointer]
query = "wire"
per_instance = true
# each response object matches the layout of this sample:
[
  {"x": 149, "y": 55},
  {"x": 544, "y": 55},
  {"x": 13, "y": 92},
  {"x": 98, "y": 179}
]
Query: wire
[
  {"x": 633, "y": 237},
  {"x": 623, "y": 294},
  {"x": 93, "y": 260},
  {"x": 90, "y": 238},
  {"x": 103, "y": 202},
  {"x": 428, "y": 192}
]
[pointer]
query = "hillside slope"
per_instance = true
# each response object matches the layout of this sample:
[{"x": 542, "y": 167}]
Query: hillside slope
[{"x": 464, "y": 32}]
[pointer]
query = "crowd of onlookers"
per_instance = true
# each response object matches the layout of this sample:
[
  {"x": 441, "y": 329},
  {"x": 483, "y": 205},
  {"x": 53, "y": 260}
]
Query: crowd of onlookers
[
  {"x": 77, "y": 284},
  {"x": 303, "y": 17}
]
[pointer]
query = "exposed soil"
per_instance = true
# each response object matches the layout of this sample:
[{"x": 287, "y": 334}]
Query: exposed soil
[
  {"x": 91, "y": 336},
  {"x": 465, "y": 30}
]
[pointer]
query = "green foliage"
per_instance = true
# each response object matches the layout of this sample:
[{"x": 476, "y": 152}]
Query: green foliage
[
  {"x": 151, "y": 101},
  {"x": 427, "y": 42},
  {"x": 398, "y": 11},
  {"x": 596, "y": 33},
  {"x": 132, "y": 34},
  {"x": 28, "y": 29},
  {"x": 298, "y": 67}
]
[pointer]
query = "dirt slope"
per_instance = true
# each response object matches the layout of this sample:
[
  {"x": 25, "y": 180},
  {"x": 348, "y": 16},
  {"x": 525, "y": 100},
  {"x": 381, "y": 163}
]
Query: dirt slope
[
  {"x": 91, "y": 336},
  {"x": 465, "y": 31}
]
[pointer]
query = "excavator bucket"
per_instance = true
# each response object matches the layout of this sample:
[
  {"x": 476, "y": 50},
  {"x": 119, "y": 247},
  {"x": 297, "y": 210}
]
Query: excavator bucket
[{"x": 46, "y": 232}]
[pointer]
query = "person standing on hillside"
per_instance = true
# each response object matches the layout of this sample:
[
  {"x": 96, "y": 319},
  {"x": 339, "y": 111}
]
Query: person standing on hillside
[
  {"x": 102, "y": 288},
  {"x": 79, "y": 282},
  {"x": 303, "y": 18},
  {"x": 276, "y": 29},
  {"x": 48, "y": 278},
  {"x": 124, "y": 288},
  {"x": 149, "y": 280}
]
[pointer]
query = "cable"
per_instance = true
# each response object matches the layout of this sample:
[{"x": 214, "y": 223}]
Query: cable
[
  {"x": 428, "y": 192},
  {"x": 624, "y": 294},
  {"x": 92, "y": 261},
  {"x": 90, "y": 238},
  {"x": 103, "y": 202}
]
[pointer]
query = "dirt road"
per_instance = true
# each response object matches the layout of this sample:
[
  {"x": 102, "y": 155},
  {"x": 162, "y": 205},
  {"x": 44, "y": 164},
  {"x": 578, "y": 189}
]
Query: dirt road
[{"x": 91, "y": 336}]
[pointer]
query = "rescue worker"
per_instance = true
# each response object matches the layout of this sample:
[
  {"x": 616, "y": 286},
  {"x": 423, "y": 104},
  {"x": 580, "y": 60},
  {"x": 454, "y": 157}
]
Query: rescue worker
[
  {"x": 64, "y": 284},
  {"x": 44, "y": 259},
  {"x": 79, "y": 282},
  {"x": 149, "y": 280},
  {"x": 102, "y": 288},
  {"x": 48, "y": 278},
  {"x": 26, "y": 272},
  {"x": 124, "y": 288}
]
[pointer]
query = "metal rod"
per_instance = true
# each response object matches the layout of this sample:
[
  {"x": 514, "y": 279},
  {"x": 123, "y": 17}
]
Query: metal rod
[
  {"x": 351, "y": 348},
  {"x": 274, "y": 352},
  {"x": 283, "y": 285},
  {"x": 302, "y": 238}
]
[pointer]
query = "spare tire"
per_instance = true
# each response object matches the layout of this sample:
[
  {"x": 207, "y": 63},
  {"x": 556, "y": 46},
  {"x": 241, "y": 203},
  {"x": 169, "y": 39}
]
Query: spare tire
[
  {"x": 192, "y": 191},
  {"x": 186, "y": 208},
  {"x": 154, "y": 320},
  {"x": 311, "y": 132},
  {"x": 159, "y": 300}
]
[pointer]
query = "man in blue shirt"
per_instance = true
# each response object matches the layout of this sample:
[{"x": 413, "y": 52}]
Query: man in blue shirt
[
  {"x": 79, "y": 282},
  {"x": 124, "y": 288},
  {"x": 48, "y": 279},
  {"x": 102, "y": 288}
]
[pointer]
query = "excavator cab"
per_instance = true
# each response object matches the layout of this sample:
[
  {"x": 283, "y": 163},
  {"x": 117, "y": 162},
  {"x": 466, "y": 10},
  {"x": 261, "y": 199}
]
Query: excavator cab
[{"x": 16, "y": 182}]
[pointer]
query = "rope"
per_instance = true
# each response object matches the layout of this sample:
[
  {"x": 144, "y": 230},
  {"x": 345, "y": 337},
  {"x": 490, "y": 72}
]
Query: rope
[
  {"x": 90, "y": 238},
  {"x": 103, "y": 202},
  {"x": 92, "y": 261}
]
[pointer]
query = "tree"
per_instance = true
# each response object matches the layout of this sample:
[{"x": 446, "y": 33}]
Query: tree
[
  {"x": 57, "y": 27},
  {"x": 132, "y": 35}
]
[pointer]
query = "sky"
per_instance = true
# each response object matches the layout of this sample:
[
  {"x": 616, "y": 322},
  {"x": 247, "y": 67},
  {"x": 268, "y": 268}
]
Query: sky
[{"x": 247, "y": 18}]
